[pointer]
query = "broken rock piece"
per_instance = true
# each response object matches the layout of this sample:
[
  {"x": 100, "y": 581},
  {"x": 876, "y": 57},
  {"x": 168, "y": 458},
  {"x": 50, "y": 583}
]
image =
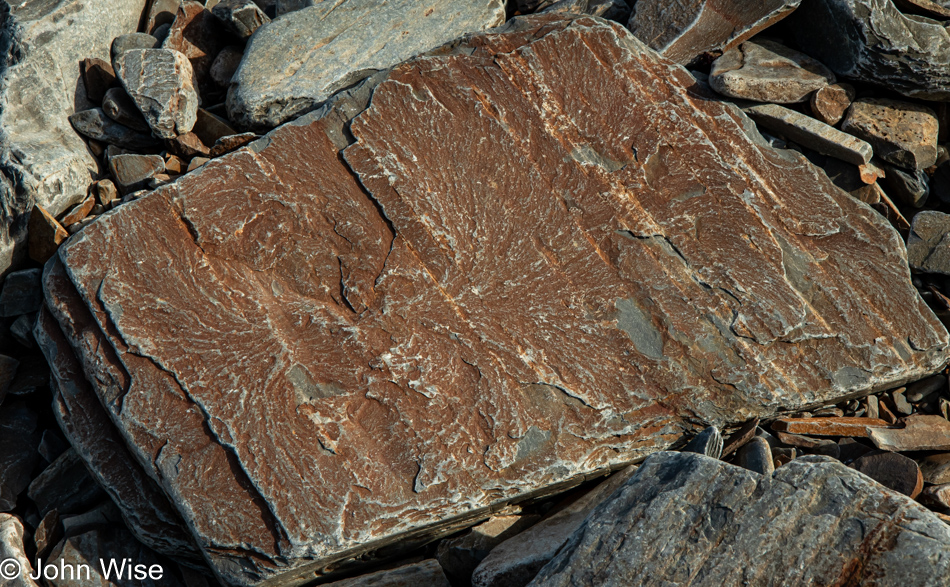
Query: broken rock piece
[
  {"x": 685, "y": 30},
  {"x": 162, "y": 85},
  {"x": 901, "y": 133},
  {"x": 811, "y": 133},
  {"x": 293, "y": 64},
  {"x": 813, "y": 509},
  {"x": 374, "y": 288},
  {"x": 928, "y": 243},
  {"x": 765, "y": 71}
]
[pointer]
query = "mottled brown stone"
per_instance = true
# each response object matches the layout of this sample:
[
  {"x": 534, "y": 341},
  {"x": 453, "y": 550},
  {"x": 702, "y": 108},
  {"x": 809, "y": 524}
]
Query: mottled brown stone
[
  {"x": 919, "y": 432},
  {"x": 831, "y": 102},
  {"x": 859, "y": 427},
  {"x": 685, "y": 30},
  {"x": 44, "y": 234},
  {"x": 318, "y": 353}
]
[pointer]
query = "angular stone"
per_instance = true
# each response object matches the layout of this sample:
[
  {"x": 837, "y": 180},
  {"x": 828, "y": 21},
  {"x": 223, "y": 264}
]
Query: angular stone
[
  {"x": 96, "y": 125},
  {"x": 756, "y": 455},
  {"x": 19, "y": 438},
  {"x": 20, "y": 330},
  {"x": 65, "y": 486},
  {"x": 872, "y": 41},
  {"x": 209, "y": 128},
  {"x": 240, "y": 17},
  {"x": 294, "y": 64},
  {"x": 683, "y": 31},
  {"x": 160, "y": 13},
  {"x": 197, "y": 34},
  {"x": 616, "y": 10},
  {"x": 850, "y": 450},
  {"x": 22, "y": 292},
  {"x": 97, "y": 77},
  {"x": 816, "y": 445},
  {"x": 741, "y": 436},
  {"x": 106, "y": 192},
  {"x": 892, "y": 470},
  {"x": 42, "y": 160},
  {"x": 938, "y": 495},
  {"x": 515, "y": 562},
  {"x": 830, "y": 103},
  {"x": 388, "y": 291},
  {"x": 920, "y": 432},
  {"x": 119, "y": 106},
  {"x": 766, "y": 71},
  {"x": 196, "y": 163},
  {"x": 900, "y": 402},
  {"x": 105, "y": 514},
  {"x": 107, "y": 542},
  {"x": 811, "y": 133},
  {"x": 231, "y": 143},
  {"x": 459, "y": 556},
  {"x": 131, "y": 172},
  {"x": 911, "y": 188},
  {"x": 15, "y": 565},
  {"x": 51, "y": 445},
  {"x": 145, "y": 509},
  {"x": 188, "y": 145},
  {"x": 921, "y": 390},
  {"x": 425, "y": 574},
  {"x": 48, "y": 533},
  {"x": 45, "y": 234},
  {"x": 928, "y": 243},
  {"x": 132, "y": 41},
  {"x": 162, "y": 85},
  {"x": 225, "y": 64},
  {"x": 79, "y": 212},
  {"x": 858, "y": 427},
  {"x": 936, "y": 468},
  {"x": 741, "y": 528},
  {"x": 708, "y": 442},
  {"x": 901, "y": 133},
  {"x": 925, "y": 7}
]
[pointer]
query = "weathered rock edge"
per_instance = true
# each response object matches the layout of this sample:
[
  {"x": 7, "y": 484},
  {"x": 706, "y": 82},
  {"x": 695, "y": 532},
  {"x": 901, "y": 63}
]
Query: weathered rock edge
[
  {"x": 686, "y": 519},
  {"x": 258, "y": 326}
]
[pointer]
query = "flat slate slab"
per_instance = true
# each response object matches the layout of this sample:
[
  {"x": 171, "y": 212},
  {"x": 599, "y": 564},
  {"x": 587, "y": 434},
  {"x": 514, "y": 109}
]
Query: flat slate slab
[
  {"x": 318, "y": 354},
  {"x": 685, "y": 519}
]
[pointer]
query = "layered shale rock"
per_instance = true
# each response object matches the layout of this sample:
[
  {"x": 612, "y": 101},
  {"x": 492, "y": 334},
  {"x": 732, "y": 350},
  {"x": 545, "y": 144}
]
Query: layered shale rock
[
  {"x": 873, "y": 41},
  {"x": 687, "y": 29},
  {"x": 344, "y": 334},
  {"x": 686, "y": 519},
  {"x": 293, "y": 64},
  {"x": 41, "y": 159}
]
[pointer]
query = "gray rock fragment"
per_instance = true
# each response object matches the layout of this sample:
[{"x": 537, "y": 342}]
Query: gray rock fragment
[
  {"x": 460, "y": 555},
  {"x": 162, "y": 84},
  {"x": 131, "y": 172},
  {"x": 901, "y": 133},
  {"x": 119, "y": 107},
  {"x": 13, "y": 556},
  {"x": 293, "y": 64},
  {"x": 42, "y": 159},
  {"x": 756, "y": 456},
  {"x": 517, "y": 560},
  {"x": 708, "y": 442},
  {"x": 928, "y": 244},
  {"x": 225, "y": 64},
  {"x": 911, "y": 188},
  {"x": 131, "y": 41},
  {"x": 428, "y": 573},
  {"x": 812, "y": 509},
  {"x": 241, "y": 17},
  {"x": 96, "y": 125},
  {"x": 65, "y": 486},
  {"x": 765, "y": 71},
  {"x": 22, "y": 292},
  {"x": 19, "y": 438},
  {"x": 873, "y": 41},
  {"x": 811, "y": 133}
]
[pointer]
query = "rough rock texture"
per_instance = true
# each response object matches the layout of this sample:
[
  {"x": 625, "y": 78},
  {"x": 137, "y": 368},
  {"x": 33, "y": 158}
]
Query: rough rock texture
[
  {"x": 928, "y": 243},
  {"x": 919, "y": 432},
  {"x": 22, "y": 292},
  {"x": 872, "y": 41},
  {"x": 145, "y": 509},
  {"x": 686, "y": 29},
  {"x": 892, "y": 470},
  {"x": 812, "y": 133},
  {"x": 685, "y": 519},
  {"x": 162, "y": 84},
  {"x": 459, "y": 556},
  {"x": 830, "y": 103},
  {"x": 198, "y": 35},
  {"x": 65, "y": 486},
  {"x": 13, "y": 558},
  {"x": 293, "y": 64},
  {"x": 19, "y": 437},
  {"x": 241, "y": 17},
  {"x": 425, "y": 574},
  {"x": 41, "y": 158},
  {"x": 417, "y": 367},
  {"x": 765, "y": 71},
  {"x": 95, "y": 124},
  {"x": 901, "y": 133}
]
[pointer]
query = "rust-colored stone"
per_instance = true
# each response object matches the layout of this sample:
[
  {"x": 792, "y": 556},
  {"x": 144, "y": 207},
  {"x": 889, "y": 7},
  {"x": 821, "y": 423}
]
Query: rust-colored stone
[
  {"x": 198, "y": 34},
  {"x": 857, "y": 427},
  {"x": 79, "y": 211},
  {"x": 830, "y": 103},
  {"x": 920, "y": 432},
  {"x": 44, "y": 234},
  {"x": 319, "y": 348}
]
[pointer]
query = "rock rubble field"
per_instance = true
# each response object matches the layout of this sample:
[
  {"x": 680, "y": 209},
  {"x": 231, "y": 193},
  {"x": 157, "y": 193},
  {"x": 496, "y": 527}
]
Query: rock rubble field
[{"x": 475, "y": 294}]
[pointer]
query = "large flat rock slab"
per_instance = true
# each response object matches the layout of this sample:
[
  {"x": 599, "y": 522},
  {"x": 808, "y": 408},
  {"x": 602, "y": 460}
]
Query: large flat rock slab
[
  {"x": 317, "y": 348},
  {"x": 42, "y": 159},
  {"x": 294, "y": 63},
  {"x": 685, "y": 519}
]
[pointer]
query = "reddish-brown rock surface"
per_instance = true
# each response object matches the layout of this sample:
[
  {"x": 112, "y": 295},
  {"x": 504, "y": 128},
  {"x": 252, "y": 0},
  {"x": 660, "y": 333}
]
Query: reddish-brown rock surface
[{"x": 547, "y": 253}]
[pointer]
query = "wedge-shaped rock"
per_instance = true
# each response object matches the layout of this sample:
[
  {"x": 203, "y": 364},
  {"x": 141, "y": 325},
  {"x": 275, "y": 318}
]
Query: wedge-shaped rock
[
  {"x": 293, "y": 64},
  {"x": 873, "y": 41},
  {"x": 162, "y": 84},
  {"x": 42, "y": 159},
  {"x": 686, "y": 29},
  {"x": 686, "y": 519},
  {"x": 317, "y": 354}
]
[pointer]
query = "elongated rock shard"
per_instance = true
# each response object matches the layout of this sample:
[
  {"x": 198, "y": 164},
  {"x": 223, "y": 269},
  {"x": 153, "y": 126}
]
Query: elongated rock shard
[{"x": 345, "y": 334}]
